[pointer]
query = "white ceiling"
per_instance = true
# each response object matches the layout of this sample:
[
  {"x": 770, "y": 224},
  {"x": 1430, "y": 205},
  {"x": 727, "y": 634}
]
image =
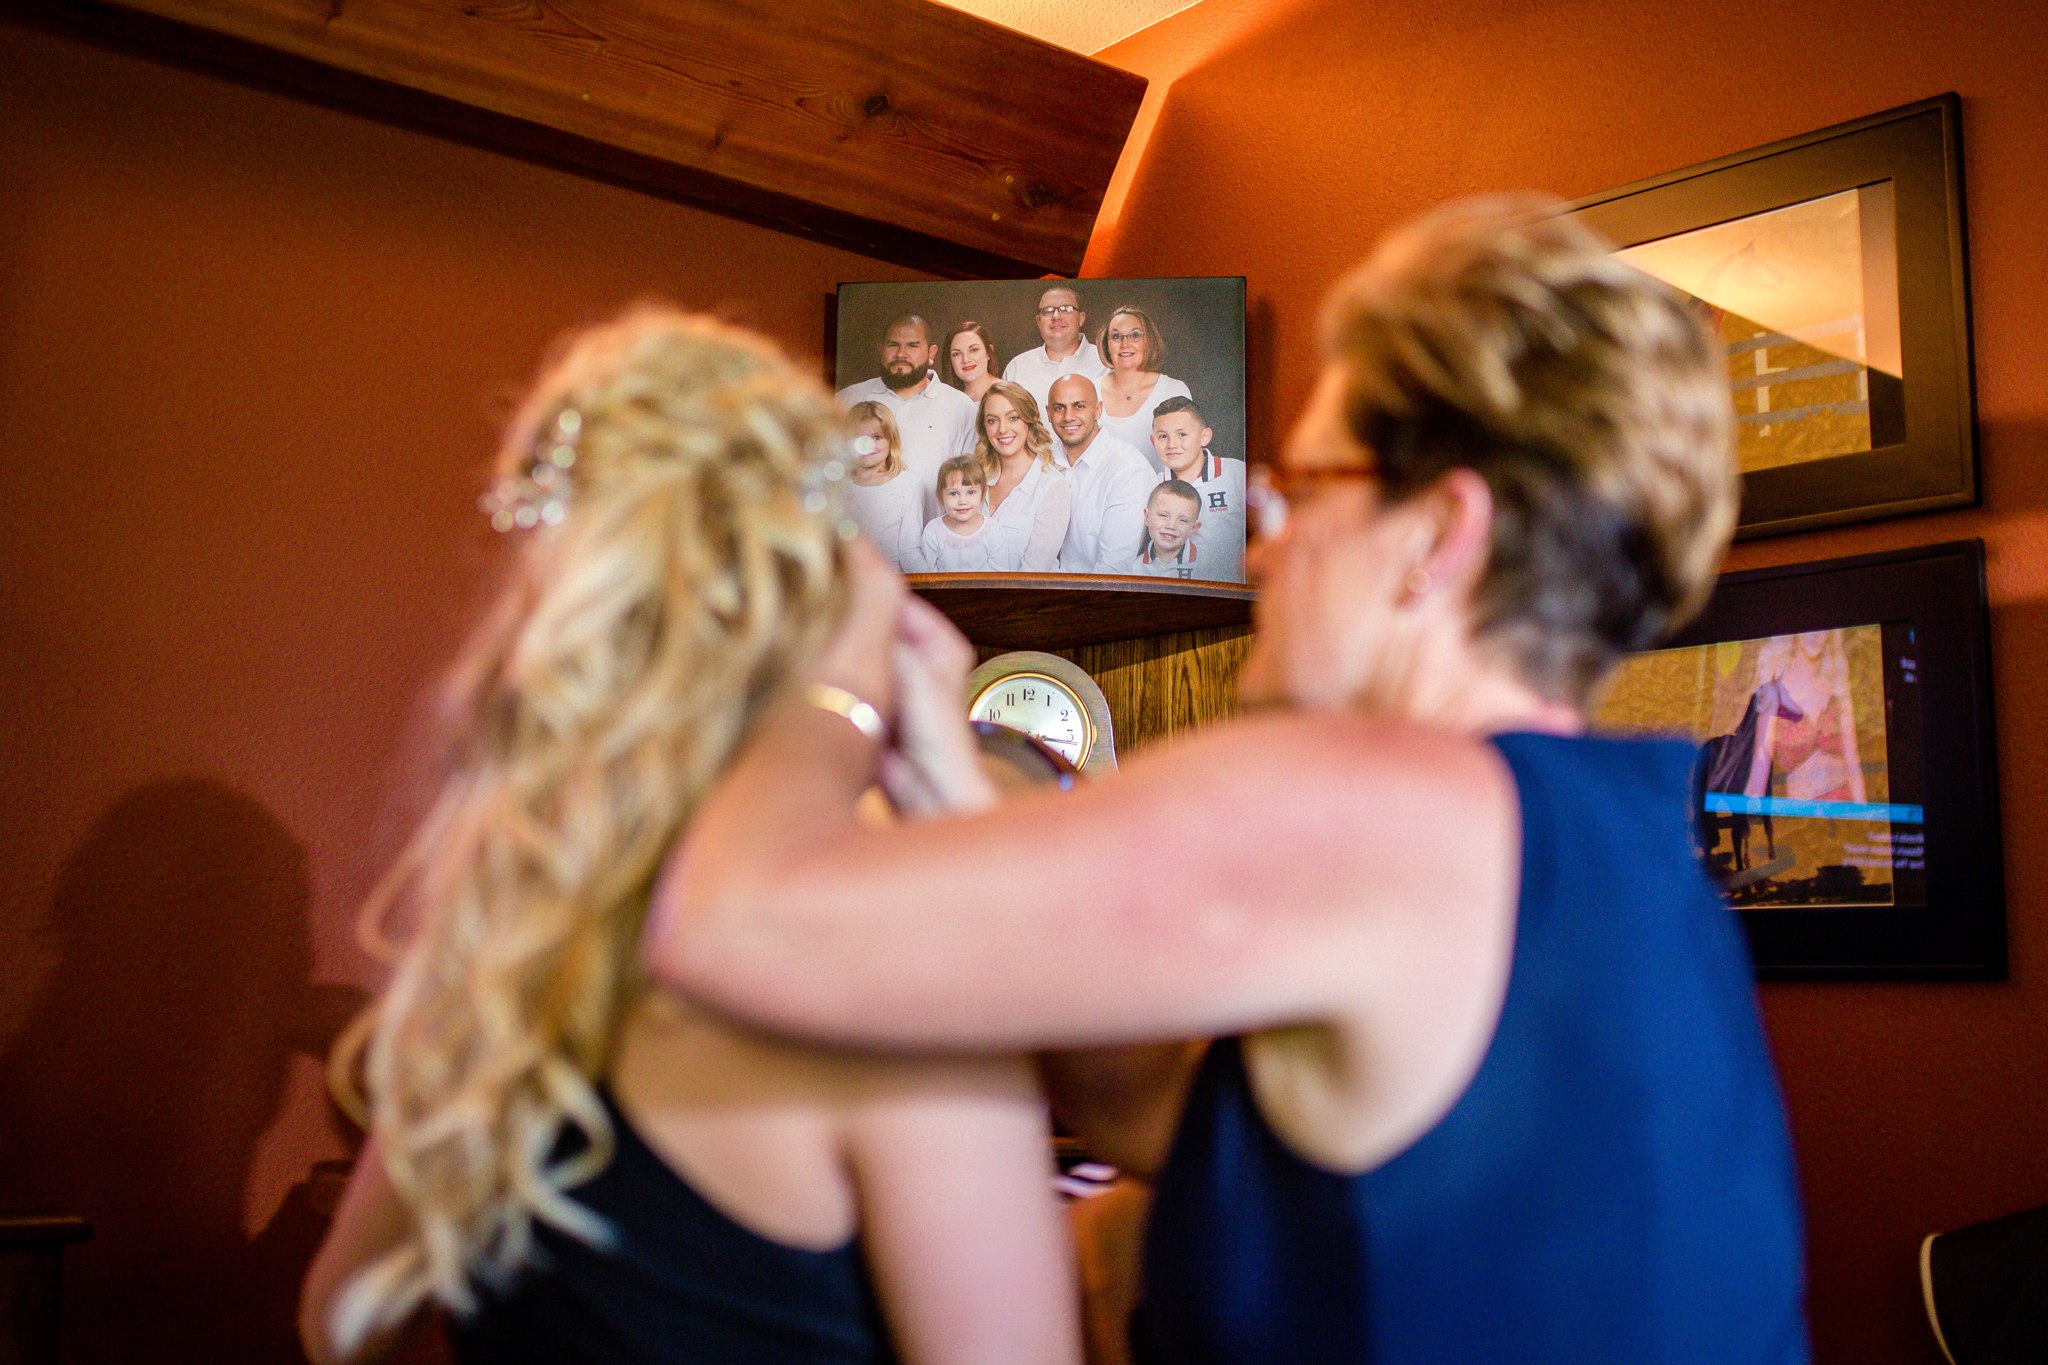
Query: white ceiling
[{"x": 1084, "y": 26}]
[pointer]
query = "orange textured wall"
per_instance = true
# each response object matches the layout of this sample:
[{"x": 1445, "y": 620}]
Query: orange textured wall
[
  {"x": 1284, "y": 136},
  {"x": 250, "y": 350}
]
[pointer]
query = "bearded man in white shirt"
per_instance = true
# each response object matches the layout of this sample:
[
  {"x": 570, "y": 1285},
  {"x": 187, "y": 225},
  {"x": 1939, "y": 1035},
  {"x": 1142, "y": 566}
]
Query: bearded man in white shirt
[
  {"x": 1109, "y": 480},
  {"x": 935, "y": 419},
  {"x": 1062, "y": 326}
]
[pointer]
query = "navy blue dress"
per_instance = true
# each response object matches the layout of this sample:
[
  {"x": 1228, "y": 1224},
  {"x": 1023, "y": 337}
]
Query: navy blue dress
[
  {"x": 1616, "y": 1185},
  {"x": 681, "y": 1282}
]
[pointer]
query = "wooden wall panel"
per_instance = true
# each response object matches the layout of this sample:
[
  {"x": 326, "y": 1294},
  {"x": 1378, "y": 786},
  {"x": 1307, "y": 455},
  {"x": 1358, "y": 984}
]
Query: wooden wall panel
[
  {"x": 899, "y": 128},
  {"x": 1163, "y": 685}
]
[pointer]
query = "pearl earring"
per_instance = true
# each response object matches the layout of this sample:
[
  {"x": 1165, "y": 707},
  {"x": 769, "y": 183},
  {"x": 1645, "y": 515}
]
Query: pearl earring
[{"x": 1418, "y": 582}]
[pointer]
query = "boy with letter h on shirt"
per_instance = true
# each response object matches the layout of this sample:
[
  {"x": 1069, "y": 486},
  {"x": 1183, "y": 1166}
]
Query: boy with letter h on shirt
[{"x": 1181, "y": 439}]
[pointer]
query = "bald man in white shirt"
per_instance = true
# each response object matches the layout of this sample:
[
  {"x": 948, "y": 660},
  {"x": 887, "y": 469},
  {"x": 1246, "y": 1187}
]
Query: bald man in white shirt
[
  {"x": 1062, "y": 326},
  {"x": 1109, "y": 480},
  {"x": 935, "y": 420}
]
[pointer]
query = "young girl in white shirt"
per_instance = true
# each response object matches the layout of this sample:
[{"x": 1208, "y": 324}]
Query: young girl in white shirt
[
  {"x": 881, "y": 496},
  {"x": 957, "y": 540}
]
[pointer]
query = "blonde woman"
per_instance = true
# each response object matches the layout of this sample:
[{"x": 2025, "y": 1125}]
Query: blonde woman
[
  {"x": 1029, "y": 501},
  {"x": 1809, "y": 730},
  {"x": 882, "y": 496},
  {"x": 580, "y": 1166}
]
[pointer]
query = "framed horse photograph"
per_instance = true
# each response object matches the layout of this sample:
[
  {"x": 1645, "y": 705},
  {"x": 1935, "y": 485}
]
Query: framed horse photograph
[
  {"x": 1834, "y": 268},
  {"x": 1845, "y": 792}
]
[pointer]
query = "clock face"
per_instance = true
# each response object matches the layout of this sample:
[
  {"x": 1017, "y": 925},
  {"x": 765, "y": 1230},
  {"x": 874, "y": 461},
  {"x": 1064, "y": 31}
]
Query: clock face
[{"x": 1041, "y": 707}]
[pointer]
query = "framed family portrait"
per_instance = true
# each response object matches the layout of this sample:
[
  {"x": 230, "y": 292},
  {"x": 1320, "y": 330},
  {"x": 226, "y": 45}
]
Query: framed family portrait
[
  {"x": 1833, "y": 267},
  {"x": 1087, "y": 433},
  {"x": 1845, "y": 792}
]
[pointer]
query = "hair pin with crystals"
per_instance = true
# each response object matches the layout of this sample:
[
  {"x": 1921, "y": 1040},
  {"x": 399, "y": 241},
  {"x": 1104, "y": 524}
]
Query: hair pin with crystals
[
  {"x": 540, "y": 496},
  {"x": 822, "y": 491}
]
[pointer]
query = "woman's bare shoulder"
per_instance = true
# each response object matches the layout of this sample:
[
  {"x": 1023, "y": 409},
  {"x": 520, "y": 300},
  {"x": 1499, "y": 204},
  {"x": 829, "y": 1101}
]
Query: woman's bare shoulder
[
  {"x": 764, "y": 1127},
  {"x": 1312, "y": 770},
  {"x": 676, "y": 1057},
  {"x": 1416, "y": 834}
]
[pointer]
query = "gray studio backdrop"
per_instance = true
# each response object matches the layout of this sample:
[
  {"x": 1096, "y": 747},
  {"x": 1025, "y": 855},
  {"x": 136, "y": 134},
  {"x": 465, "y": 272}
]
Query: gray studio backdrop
[{"x": 1200, "y": 320}]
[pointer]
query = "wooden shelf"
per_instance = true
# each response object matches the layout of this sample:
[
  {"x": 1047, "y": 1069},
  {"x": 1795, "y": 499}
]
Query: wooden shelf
[
  {"x": 899, "y": 128},
  {"x": 1062, "y": 611}
]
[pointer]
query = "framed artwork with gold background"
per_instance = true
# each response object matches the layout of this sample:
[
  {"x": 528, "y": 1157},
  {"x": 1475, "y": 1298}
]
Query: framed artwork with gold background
[
  {"x": 1845, "y": 790},
  {"x": 1833, "y": 266}
]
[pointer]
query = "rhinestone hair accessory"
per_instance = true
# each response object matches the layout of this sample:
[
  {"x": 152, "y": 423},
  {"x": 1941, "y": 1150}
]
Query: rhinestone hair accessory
[
  {"x": 823, "y": 488},
  {"x": 540, "y": 496}
]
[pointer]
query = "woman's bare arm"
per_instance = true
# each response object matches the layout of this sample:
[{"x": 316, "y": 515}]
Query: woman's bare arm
[
  {"x": 371, "y": 1221},
  {"x": 1759, "y": 781},
  {"x": 958, "y": 1220},
  {"x": 1852, "y": 759},
  {"x": 1330, "y": 854}
]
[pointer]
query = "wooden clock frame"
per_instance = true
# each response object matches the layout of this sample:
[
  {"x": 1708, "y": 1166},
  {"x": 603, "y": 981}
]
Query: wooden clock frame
[{"x": 1070, "y": 675}]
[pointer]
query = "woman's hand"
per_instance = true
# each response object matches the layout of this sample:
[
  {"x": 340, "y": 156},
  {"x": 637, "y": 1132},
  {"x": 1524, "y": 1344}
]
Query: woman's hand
[
  {"x": 934, "y": 766},
  {"x": 858, "y": 658}
]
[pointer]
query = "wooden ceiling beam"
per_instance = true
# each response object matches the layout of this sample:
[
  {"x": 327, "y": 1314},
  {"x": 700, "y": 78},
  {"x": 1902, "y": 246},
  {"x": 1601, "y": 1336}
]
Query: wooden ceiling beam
[{"x": 899, "y": 128}]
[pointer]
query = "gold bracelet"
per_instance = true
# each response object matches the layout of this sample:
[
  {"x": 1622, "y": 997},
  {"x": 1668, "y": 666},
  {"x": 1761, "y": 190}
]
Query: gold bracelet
[{"x": 841, "y": 702}]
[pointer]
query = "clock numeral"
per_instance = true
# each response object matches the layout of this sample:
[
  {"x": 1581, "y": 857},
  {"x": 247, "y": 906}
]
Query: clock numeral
[
  {"x": 1009, "y": 698},
  {"x": 1065, "y": 714},
  {"x": 1027, "y": 694}
]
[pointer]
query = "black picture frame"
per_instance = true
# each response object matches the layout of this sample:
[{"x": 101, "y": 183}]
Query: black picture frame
[
  {"x": 1935, "y": 592},
  {"x": 1916, "y": 150}
]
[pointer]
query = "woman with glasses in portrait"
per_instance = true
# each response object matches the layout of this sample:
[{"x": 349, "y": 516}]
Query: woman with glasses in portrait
[
  {"x": 1134, "y": 388},
  {"x": 1488, "y": 1081}
]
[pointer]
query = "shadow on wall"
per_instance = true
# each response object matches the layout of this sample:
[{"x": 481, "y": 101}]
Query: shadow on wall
[{"x": 156, "y": 1057}]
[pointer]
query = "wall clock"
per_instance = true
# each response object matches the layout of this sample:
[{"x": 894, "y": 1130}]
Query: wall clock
[{"x": 1049, "y": 698}]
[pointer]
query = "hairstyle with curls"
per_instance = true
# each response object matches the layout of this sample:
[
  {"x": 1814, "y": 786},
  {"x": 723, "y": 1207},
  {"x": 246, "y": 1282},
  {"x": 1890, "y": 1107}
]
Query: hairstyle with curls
[
  {"x": 995, "y": 363},
  {"x": 1155, "y": 344},
  {"x": 1496, "y": 335},
  {"x": 868, "y": 410},
  {"x": 631, "y": 652},
  {"x": 1037, "y": 439}
]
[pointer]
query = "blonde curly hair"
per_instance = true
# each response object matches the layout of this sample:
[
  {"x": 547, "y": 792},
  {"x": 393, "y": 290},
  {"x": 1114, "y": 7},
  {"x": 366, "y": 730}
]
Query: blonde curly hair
[
  {"x": 630, "y": 655},
  {"x": 1037, "y": 440}
]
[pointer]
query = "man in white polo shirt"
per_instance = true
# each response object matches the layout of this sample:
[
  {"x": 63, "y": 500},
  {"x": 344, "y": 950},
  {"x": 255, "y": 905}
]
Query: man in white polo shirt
[
  {"x": 935, "y": 419},
  {"x": 1108, "y": 478},
  {"x": 1062, "y": 326}
]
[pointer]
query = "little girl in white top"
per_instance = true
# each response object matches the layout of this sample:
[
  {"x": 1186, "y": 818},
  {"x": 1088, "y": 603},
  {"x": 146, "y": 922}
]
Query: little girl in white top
[
  {"x": 881, "y": 496},
  {"x": 957, "y": 541}
]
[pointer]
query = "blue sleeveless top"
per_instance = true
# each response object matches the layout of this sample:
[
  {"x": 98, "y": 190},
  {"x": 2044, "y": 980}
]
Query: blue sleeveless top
[
  {"x": 681, "y": 1282},
  {"x": 1615, "y": 1185}
]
